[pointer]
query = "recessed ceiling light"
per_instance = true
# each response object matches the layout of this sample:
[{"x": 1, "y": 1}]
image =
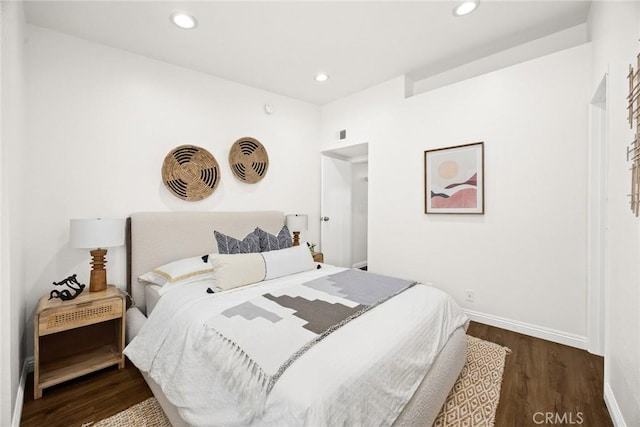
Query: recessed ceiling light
[
  {"x": 322, "y": 77},
  {"x": 184, "y": 21},
  {"x": 465, "y": 7}
]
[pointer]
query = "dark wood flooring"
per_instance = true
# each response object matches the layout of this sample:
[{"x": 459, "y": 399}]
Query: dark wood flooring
[
  {"x": 89, "y": 398},
  {"x": 543, "y": 381}
]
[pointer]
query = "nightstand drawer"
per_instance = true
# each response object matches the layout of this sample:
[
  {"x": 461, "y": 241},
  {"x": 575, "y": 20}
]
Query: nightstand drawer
[{"x": 52, "y": 321}]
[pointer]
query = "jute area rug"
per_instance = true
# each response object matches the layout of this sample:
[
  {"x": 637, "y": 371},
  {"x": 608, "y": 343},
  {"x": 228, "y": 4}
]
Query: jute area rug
[
  {"x": 474, "y": 398},
  {"x": 471, "y": 403}
]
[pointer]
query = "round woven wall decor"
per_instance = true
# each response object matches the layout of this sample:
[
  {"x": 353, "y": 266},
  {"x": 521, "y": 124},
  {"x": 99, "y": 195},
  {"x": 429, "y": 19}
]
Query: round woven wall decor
[
  {"x": 249, "y": 160},
  {"x": 190, "y": 173}
]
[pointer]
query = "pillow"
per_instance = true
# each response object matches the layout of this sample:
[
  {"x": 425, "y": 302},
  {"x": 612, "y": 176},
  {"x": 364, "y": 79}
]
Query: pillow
[
  {"x": 180, "y": 272},
  {"x": 269, "y": 242},
  {"x": 235, "y": 270},
  {"x": 288, "y": 261},
  {"x": 231, "y": 245}
]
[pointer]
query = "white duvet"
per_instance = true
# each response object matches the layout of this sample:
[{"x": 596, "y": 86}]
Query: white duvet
[{"x": 361, "y": 375}]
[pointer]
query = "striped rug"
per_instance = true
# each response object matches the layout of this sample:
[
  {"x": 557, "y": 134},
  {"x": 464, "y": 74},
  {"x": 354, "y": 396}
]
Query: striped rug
[{"x": 471, "y": 403}]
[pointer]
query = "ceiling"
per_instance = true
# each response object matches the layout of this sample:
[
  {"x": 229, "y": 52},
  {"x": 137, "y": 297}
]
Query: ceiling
[{"x": 280, "y": 46}]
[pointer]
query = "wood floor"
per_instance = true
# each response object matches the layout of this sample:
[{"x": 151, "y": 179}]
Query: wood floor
[
  {"x": 543, "y": 381},
  {"x": 90, "y": 398},
  {"x": 542, "y": 377}
]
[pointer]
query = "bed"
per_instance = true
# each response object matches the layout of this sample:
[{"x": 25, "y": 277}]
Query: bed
[{"x": 370, "y": 371}]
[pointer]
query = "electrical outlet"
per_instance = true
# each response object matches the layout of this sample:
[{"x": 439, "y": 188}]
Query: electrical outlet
[{"x": 469, "y": 295}]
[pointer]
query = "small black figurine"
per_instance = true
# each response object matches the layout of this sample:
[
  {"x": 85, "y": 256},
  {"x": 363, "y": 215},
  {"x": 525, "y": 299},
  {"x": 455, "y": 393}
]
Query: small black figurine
[{"x": 64, "y": 294}]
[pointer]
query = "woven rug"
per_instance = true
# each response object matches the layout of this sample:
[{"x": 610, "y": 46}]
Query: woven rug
[
  {"x": 147, "y": 413},
  {"x": 474, "y": 398},
  {"x": 471, "y": 403}
]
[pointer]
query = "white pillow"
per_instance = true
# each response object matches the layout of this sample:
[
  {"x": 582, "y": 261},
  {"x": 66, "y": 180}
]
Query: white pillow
[
  {"x": 235, "y": 270},
  {"x": 183, "y": 271},
  {"x": 283, "y": 262}
]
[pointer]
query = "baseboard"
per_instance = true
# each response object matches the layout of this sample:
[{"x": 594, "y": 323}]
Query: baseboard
[
  {"x": 27, "y": 367},
  {"x": 359, "y": 264},
  {"x": 548, "y": 334},
  {"x": 612, "y": 406}
]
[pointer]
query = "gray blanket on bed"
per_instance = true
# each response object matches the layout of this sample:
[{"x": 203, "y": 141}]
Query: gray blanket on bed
[{"x": 260, "y": 338}]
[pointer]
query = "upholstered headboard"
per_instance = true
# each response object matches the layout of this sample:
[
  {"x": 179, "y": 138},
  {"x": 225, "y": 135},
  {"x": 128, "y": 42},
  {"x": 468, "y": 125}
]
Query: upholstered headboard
[{"x": 157, "y": 238}]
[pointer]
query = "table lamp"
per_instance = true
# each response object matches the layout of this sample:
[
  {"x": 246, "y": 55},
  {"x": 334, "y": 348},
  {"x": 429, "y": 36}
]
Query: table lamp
[
  {"x": 97, "y": 234},
  {"x": 297, "y": 223}
]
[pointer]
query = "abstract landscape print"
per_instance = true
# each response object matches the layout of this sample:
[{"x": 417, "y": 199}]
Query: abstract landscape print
[{"x": 454, "y": 179}]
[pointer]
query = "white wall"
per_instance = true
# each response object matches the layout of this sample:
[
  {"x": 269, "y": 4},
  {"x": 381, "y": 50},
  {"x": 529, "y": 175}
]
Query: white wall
[
  {"x": 526, "y": 256},
  {"x": 12, "y": 298},
  {"x": 101, "y": 121},
  {"x": 551, "y": 43},
  {"x": 614, "y": 29}
]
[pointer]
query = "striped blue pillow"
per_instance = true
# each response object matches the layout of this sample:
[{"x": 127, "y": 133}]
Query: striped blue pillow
[
  {"x": 269, "y": 242},
  {"x": 231, "y": 245}
]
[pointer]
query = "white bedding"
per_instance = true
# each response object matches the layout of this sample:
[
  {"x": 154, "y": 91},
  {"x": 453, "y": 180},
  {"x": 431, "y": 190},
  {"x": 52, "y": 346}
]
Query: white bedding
[
  {"x": 151, "y": 296},
  {"x": 361, "y": 375}
]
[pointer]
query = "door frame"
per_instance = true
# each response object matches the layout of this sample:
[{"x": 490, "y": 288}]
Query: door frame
[
  {"x": 351, "y": 154},
  {"x": 597, "y": 219}
]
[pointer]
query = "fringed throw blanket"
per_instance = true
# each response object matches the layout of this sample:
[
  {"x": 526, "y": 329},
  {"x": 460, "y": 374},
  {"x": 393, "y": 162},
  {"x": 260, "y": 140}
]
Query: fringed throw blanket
[{"x": 257, "y": 340}]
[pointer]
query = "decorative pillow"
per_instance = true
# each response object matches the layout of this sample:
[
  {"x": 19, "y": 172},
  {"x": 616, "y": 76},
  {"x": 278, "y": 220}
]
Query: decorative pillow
[
  {"x": 288, "y": 261},
  {"x": 269, "y": 242},
  {"x": 235, "y": 270},
  {"x": 180, "y": 272},
  {"x": 231, "y": 245}
]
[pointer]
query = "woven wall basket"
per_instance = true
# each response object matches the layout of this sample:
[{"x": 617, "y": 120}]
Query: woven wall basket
[
  {"x": 248, "y": 160},
  {"x": 190, "y": 173}
]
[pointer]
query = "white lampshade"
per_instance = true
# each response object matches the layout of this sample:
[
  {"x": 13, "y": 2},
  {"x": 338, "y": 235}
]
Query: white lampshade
[
  {"x": 297, "y": 222},
  {"x": 96, "y": 233}
]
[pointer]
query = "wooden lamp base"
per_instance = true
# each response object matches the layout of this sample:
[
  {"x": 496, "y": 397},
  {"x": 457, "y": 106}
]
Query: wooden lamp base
[
  {"x": 98, "y": 280},
  {"x": 296, "y": 238}
]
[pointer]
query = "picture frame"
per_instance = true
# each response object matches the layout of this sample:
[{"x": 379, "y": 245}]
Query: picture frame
[{"x": 454, "y": 179}]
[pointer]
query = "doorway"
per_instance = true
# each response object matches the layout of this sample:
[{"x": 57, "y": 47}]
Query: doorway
[{"x": 344, "y": 205}]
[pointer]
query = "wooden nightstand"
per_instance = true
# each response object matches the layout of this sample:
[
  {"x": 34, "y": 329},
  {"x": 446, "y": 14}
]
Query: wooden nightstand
[
  {"x": 77, "y": 337},
  {"x": 318, "y": 256}
]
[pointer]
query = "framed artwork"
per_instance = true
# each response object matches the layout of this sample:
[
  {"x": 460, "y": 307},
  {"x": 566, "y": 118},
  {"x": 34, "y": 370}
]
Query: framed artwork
[{"x": 454, "y": 179}]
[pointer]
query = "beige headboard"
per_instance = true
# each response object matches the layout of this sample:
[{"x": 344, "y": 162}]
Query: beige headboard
[{"x": 156, "y": 238}]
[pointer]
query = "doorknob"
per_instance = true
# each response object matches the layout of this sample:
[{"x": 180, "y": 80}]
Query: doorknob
[{"x": 324, "y": 218}]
